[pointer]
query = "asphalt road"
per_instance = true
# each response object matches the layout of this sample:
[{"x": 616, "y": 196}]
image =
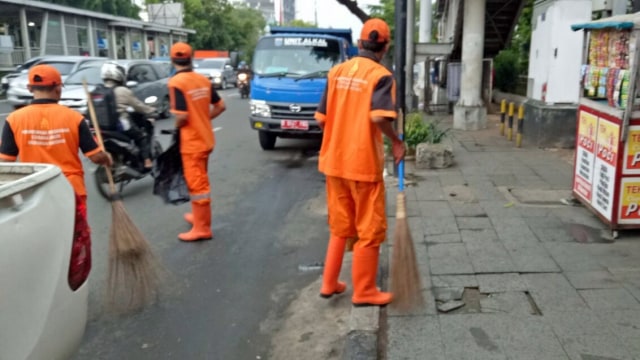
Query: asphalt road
[{"x": 226, "y": 297}]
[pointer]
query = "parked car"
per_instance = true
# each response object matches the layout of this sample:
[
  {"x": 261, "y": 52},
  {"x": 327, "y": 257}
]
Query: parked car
[
  {"x": 218, "y": 70},
  {"x": 20, "y": 69},
  {"x": 144, "y": 77},
  {"x": 18, "y": 95},
  {"x": 45, "y": 266},
  {"x": 166, "y": 64}
]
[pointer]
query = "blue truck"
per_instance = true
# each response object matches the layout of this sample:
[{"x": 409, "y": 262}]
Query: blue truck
[{"x": 290, "y": 67}]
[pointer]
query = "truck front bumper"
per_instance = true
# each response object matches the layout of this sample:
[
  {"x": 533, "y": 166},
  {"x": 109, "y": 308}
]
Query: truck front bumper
[{"x": 275, "y": 126}]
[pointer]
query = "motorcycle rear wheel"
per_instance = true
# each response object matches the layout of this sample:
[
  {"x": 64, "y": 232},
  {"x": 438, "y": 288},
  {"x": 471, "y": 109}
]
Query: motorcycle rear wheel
[{"x": 102, "y": 183}]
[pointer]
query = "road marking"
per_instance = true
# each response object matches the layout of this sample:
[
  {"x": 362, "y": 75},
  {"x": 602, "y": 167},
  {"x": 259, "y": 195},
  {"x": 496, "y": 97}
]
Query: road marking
[
  {"x": 5, "y": 114},
  {"x": 217, "y": 129},
  {"x": 233, "y": 95}
]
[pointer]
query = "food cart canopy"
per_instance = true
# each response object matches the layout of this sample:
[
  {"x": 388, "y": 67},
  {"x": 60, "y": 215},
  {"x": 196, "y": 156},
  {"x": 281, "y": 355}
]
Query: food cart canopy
[{"x": 619, "y": 22}]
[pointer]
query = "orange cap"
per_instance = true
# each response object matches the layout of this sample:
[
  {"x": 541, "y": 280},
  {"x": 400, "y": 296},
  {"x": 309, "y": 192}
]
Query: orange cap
[
  {"x": 44, "y": 75},
  {"x": 181, "y": 50},
  {"x": 375, "y": 30}
]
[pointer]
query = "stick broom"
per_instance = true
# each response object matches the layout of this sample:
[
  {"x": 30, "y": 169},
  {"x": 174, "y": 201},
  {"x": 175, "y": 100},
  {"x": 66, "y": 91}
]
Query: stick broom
[
  {"x": 405, "y": 278},
  {"x": 134, "y": 272}
]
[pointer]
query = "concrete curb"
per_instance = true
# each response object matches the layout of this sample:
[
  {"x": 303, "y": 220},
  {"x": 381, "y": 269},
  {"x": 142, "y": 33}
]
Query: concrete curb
[{"x": 363, "y": 339}]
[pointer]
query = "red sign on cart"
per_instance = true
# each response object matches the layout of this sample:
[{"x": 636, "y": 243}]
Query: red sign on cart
[
  {"x": 629, "y": 201},
  {"x": 608, "y": 137},
  {"x": 585, "y": 155},
  {"x": 632, "y": 152}
]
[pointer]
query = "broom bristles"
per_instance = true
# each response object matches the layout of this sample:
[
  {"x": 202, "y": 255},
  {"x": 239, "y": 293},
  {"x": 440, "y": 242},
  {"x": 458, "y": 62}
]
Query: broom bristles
[
  {"x": 405, "y": 276},
  {"x": 134, "y": 271}
]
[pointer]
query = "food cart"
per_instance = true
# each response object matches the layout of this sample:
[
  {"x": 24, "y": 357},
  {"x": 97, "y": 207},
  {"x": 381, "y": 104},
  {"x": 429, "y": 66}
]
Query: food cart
[{"x": 607, "y": 164}]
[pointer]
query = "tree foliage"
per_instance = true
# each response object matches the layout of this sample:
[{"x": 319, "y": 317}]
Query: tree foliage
[
  {"x": 513, "y": 61},
  {"x": 124, "y": 8},
  {"x": 301, "y": 24}
]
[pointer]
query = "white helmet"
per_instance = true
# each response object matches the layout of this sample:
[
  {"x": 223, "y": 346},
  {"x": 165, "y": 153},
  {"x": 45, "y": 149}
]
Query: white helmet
[{"x": 113, "y": 71}]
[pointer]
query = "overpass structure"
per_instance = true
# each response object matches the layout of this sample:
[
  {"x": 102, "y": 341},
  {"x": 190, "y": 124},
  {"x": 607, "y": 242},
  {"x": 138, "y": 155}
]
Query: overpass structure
[{"x": 475, "y": 30}]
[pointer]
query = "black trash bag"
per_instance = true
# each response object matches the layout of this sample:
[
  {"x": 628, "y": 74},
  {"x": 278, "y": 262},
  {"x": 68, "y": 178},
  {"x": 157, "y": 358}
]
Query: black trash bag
[{"x": 170, "y": 183}]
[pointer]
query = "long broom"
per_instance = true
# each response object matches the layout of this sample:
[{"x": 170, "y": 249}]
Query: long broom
[
  {"x": 134, "y": 271},
  {"x": 405, "y": 277}
]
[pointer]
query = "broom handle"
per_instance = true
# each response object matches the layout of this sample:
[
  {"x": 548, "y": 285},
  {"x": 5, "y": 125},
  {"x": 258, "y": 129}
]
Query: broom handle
[
  {"x": 401, "y": 164},
  {"x": 94, "y": 120}
]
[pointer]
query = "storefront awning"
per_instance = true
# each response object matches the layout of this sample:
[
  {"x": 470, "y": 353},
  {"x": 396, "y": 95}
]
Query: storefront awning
[{"x": 620, "y": 22}]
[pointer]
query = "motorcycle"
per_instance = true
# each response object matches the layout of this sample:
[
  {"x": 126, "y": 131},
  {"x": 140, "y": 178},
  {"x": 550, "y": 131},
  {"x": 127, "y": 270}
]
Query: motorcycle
[
  {"x": 243, "y": 85},
  {"x": 128, "y": 164}
]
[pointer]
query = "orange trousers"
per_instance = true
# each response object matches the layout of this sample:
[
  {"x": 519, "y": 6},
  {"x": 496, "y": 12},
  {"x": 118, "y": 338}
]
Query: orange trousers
[
  {"x": 195, "y": 174},
  {"x": 357, "y": 208}
]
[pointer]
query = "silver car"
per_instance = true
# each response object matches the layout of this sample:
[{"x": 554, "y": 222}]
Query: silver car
[
  {"x": 218, "y": 70},
  {"x": 20, "y": 69},
  {"x": 18, "y": 95}
]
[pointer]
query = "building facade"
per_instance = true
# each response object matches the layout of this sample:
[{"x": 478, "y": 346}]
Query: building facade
[
  {"x": 274, "y": 11},
  {"x": 33, "y": 28}
]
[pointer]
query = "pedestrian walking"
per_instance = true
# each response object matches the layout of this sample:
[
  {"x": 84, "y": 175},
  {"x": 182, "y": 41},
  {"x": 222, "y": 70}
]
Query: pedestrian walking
[
  {"x": 46, "y": 132},
  {"x": 357, "y": 107},
  {"x": 195, "y": 103}
]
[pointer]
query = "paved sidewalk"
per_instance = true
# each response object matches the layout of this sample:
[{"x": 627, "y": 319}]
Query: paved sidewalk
[{"x": 536, "y": 278}]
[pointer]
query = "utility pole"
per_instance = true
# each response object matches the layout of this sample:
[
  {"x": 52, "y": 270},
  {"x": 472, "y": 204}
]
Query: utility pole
[
  {"x": 400, "y": 60},
  {"x": 400, "y": 56},
  {"x": 424, "y": 34},
  {"x": 411, "y": 27},
  {"x": 315, "y": 9}
]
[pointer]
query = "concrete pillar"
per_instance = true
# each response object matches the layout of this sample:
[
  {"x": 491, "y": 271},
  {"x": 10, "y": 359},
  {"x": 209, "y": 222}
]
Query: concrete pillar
[
  {"x": 91, "y": 37},
  {"x": 156, "y": 44},
  {"x": 425, "y": 21},
  {"x": 114, "y": 44},
  {"x": 127, "y": 44},
  {"x": 24, "y": 33},
  {"x": 44, "y": 32},
  {"x": 63, "y": 28},
  {"x": 470, "y": 112}
]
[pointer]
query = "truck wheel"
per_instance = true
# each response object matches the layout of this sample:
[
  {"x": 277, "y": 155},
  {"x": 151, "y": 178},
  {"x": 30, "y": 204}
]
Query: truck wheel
[{"x": 267, "y": 140}]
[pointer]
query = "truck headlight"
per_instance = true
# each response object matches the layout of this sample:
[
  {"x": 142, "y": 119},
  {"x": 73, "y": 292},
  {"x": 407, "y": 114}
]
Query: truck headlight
[{"x": 260, "y": 108}]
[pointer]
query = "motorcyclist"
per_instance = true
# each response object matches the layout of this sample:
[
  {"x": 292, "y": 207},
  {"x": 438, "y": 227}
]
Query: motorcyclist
[
  {"x": 114, "y": 76},
  {"x": 243, "y": 68}
]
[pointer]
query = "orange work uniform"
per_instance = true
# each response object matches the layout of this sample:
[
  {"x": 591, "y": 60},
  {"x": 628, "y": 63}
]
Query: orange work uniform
[
  {"x": 192, "y": 94},
  {"x": 352, "y": 152},
  {"x": 45, "y": 132}
]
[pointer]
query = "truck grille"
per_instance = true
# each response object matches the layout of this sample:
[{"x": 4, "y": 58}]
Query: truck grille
[{"x": 284, "y": 112}]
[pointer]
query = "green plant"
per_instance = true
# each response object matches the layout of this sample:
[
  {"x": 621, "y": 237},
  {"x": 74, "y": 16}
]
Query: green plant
[
  {"x": 436, "y": 134},
  {"x": 416, "y": 131},
  {"x": 507, "y": 70}
]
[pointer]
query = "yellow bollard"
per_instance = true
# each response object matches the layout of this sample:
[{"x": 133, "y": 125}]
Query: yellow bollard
[
  {"x": 503, "y": 115},
  {"x": 520, "y": 124},
  {"x": 510, "y": 128}
]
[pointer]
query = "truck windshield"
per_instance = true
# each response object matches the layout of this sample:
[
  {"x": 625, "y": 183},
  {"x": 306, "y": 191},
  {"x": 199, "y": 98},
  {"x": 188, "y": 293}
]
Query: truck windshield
[{"x": 295, "y": 56}]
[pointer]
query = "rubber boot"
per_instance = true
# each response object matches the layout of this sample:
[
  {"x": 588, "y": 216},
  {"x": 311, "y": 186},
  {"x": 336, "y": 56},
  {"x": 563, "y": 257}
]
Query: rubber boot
[
  {"x": 332, "y": 265},
  {"x": 188, "y": 217},
  {"x": 364, "y": 271},
  {"x": 201, "y": 229}
]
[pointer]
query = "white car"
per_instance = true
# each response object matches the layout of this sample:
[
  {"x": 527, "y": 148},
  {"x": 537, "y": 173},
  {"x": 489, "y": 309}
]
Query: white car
[
  {"x": 43, "y": 266},
  {"x": 18, "y": 95}
]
